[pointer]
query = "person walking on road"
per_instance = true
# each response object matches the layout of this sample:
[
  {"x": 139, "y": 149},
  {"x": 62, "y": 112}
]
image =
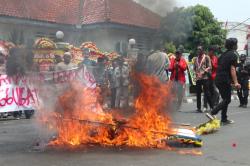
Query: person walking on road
[
  {"x": 177, "y": 67},
  {"x": 226, "y": 73},
  {"x": 243, "y": 77},
  {"x": 212, "y": 87},
  {"x": 202, "y": 68}
]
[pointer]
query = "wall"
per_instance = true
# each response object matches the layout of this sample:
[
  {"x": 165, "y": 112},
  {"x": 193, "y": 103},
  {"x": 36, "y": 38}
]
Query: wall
[
  {"x": 106, "y": 37},
  {"x": 240, "y": 32},
  {"x": 32, "y": 31}
]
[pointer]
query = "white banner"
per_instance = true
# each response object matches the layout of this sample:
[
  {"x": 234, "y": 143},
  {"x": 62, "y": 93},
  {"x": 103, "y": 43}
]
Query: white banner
[{"x": 17, "y": 94}]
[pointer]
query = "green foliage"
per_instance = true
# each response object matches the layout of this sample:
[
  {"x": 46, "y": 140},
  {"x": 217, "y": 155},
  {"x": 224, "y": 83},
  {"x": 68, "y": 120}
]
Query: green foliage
[
  {"x": 170, "y": 47},
  {"x": 191, "y": 27}
]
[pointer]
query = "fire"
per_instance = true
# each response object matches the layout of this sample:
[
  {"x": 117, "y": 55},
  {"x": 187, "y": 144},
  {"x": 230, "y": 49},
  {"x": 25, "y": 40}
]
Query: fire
[
  {"x": 77, "y": 104},
  {"x": 79, "y": 118},
  {"x": 150, "y": 122}
]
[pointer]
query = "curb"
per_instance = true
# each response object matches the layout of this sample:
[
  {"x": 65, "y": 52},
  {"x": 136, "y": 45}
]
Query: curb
[{"x": 192, "y": 99}]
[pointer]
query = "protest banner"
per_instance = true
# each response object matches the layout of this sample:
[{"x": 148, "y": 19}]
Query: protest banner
[
  {"x": 15, "y": 95},
  {"x": 20, "y": 93}
]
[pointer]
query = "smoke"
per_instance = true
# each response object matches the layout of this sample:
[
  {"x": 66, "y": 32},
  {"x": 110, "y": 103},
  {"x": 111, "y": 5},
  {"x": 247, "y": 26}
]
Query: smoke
[{"x": 161, "y": 7}]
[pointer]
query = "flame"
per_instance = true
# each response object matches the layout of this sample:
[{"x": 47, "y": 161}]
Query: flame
[
  {"x": 77, "y": 104},
  {"x": 80, "y": 119},
  {"x": 150, "y": 122}
]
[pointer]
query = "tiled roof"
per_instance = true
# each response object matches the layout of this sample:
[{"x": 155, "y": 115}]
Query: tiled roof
[
  {"x": 57, "y": 11},
  {"x": 94, "y": 11},
  {"x": 71, "y": 12}
]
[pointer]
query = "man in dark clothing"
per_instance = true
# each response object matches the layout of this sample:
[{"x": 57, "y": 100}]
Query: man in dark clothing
[
  {"x": 226, "y": 73},
  {"x": 243, "y": 77}
]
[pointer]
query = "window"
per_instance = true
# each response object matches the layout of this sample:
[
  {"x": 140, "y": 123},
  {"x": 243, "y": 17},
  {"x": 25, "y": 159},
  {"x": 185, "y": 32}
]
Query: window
[
  {"x": 52, "y": 36},
  {"x": 143, "y": 42}
]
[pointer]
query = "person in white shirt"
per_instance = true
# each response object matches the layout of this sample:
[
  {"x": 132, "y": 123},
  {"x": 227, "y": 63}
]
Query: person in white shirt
[
  {"x": 66, "y": 64},
  {"x": 117, "y": 83},
  {"x": 125, "y": 83}
]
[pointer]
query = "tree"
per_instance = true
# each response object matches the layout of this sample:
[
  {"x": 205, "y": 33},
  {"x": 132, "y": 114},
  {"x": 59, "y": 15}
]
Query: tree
[
  {"x": 170, "y": 47},
  {"x": 191, "y": 27}
]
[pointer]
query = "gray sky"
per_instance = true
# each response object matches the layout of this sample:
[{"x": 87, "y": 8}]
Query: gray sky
[{"x": 223, "y": 10}]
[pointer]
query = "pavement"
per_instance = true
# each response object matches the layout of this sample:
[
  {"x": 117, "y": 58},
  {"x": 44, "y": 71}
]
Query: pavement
[
  {"x": 191, "y": 98},
  {"x": 230, "y": 146}
]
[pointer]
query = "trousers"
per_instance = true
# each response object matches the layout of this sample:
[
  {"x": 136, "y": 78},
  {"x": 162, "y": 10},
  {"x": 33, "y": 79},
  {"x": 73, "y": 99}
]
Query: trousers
[
  {"x": 243, "y": 92},
  {"x": 178, "y": 89},
  {"x": 113, "y": 97},
  {"x": 203, "y": 85},
  {"x": 225, "y": 92},
  {"x": 125, "y": 95},
  {"x": 118, "y": 92},
  {"x": 215, "y": 96}
]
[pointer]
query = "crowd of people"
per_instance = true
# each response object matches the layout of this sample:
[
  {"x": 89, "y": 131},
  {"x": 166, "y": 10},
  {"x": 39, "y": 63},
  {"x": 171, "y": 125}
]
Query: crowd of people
[{"x": 215, "y": 76}]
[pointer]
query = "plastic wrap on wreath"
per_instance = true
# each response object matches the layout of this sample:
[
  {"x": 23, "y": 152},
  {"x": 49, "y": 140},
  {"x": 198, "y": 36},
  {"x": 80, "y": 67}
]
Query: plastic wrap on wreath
[{"x": 208, "y": 127}]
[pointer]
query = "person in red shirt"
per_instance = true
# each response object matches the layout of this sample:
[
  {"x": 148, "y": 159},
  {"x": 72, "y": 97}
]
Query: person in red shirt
[
  {"x": 212, "y": 88},
  {"x": 178, "y": 66},
  {"x": 214, "y": 61}
]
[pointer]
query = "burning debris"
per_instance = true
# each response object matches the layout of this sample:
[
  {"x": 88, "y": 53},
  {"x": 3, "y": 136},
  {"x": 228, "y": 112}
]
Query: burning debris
[
  {"x": 70, "y": 108},
  {"x": 79, "y": 118}
]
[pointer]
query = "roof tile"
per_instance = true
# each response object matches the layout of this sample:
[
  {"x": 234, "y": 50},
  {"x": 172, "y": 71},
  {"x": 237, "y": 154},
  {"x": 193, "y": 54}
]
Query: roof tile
[{"x": 94, "y": 11}]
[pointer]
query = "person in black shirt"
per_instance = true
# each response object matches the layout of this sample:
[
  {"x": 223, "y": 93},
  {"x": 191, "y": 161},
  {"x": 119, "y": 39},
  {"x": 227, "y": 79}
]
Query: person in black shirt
[
  {"x": 226, "y": 74},
  {"x": 243, "y": 76}
]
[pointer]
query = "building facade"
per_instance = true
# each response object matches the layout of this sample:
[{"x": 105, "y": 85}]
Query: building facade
[
  {"x": 239, "y": 31},
  {"x": 108, "y": 23}
]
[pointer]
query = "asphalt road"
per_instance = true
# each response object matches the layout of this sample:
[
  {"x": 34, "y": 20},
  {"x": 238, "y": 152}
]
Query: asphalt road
[{"x": 17, "y": 138}]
